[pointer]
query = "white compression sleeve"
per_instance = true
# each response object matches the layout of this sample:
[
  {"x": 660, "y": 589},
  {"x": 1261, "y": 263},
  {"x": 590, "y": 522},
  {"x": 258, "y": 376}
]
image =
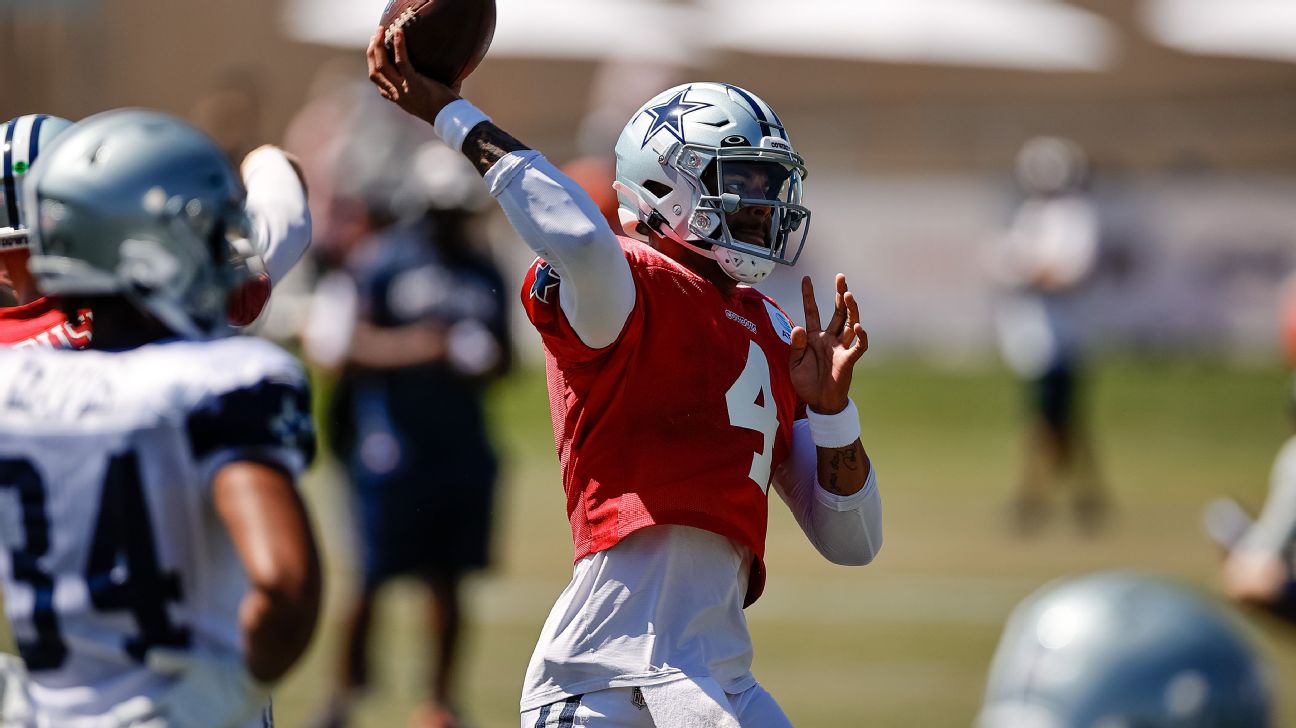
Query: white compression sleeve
[
  {"x": 276, "y": 205},
  {"x": 846, "y": 530},
  {"x": 562, "y": 224}
]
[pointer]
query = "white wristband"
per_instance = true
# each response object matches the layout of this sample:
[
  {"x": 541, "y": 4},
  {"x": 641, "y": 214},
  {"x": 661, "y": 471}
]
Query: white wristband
[
  {"x": 455, "y": 121},
  {"x": 837, "y": 430}
]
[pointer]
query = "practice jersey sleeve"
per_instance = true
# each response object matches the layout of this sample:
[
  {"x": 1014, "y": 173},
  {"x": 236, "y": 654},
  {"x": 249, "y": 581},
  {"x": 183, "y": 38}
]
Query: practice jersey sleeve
[
  {"x": 846, "y": 530},
  {"x": 263, "y": 415},
  {"x": 276, "y": 204},
  {"x": 1275, "y": 531},
  {"x": 559, "y": 221}
]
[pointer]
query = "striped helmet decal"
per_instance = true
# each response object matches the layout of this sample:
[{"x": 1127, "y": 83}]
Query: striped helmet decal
[
  {"x": 10, "y": 181},
  {"x": 21, "y": 146},
  {"x": 768, "y": 121}
]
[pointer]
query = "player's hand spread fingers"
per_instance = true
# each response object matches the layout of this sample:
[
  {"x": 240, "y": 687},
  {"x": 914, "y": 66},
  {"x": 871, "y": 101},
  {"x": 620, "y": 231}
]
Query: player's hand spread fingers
[
  {"x": 852, "y": 318},
  {"x": 812, "y": 324},
  {"x": 800, "y": 340},
  {"x": 861, "y": 343},
  {"x": 838, "y": 324}
]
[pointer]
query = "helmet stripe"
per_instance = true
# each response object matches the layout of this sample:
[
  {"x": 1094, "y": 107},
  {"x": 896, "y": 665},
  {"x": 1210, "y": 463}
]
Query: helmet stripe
[
  {"x": 33, "y": 146},
  {"x": 756, "y": 109},
  {"x": 760, "y": 114},
  {"x": 10, "y": 183}
]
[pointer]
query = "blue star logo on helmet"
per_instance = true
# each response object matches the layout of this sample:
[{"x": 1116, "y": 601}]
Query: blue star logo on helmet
[{"x": 670, "y": 116}]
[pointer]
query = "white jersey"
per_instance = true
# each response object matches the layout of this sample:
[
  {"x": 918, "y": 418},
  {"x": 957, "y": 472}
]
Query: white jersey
[{"x": 109, "y": 543}]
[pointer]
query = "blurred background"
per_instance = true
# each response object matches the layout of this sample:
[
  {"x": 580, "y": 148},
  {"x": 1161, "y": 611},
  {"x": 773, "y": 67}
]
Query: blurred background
[{"x": 911, "y": 115}]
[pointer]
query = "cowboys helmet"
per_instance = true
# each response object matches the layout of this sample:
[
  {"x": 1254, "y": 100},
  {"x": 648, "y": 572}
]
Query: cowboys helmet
[
  {"x": 693, "y": 157},
  {"x": 24, "y": 138},
  {"x": 141, "y": 205},
  {"x": 1123, "y": 650}
]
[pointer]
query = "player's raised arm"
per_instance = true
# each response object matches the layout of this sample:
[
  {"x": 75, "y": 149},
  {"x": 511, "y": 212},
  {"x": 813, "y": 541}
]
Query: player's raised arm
[
  {"x": 280, "y": 228},
  {"x": 552, "y": 214},
  {"x": 277, "y": 208}
]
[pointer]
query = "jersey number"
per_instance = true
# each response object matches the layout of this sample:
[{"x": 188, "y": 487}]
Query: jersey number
[
  {"x": 122, "y": 573},
  {"x": 752, "y": 407}
]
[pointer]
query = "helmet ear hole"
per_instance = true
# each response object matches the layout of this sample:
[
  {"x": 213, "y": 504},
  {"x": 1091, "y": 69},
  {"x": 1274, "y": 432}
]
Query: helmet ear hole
[{"x": 659, "y": 189}]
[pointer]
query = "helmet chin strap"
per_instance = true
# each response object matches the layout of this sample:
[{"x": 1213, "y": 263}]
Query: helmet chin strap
[{"x": 738, "y": 266}]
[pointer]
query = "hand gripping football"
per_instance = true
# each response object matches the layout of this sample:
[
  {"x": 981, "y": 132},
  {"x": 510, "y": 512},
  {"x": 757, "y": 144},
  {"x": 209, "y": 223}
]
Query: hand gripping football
[{"x": 446, "y": 39}]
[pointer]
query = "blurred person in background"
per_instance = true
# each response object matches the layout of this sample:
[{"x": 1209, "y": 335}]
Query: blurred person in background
[
  {"x": 165, "y": 573},
  {"x": 230, "y": 113},
  {"x": 1124, "y": 650},
  {"x": 680, "y": 395},
  {"x": 1040, "y": 265},
  {"x": 417, "y": 323}
]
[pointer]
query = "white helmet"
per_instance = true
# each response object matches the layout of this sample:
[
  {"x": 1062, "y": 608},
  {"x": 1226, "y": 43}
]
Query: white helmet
[
  {"x": 23, "y": 139},
  {"x": 672, "y": 158},
  {"x": 1126, "y": 650},
  {"x": 140, "y": 205}
]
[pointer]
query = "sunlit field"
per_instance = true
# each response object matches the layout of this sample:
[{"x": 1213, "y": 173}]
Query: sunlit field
[{"x": 904, "y": 642}]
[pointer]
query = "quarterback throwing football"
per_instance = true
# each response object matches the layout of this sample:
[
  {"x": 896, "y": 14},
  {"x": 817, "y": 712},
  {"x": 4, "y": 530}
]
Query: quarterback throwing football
[{"x": 679, "y": 394}]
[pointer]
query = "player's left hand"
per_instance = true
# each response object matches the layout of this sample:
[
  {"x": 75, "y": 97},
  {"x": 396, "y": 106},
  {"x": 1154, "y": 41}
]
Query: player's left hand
[
  {"x": 401, "y": 83},
  {"x": 823, "y": 358}
]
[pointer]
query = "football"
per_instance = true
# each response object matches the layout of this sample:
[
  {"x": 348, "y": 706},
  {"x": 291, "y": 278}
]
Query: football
[{"x": 446, "y": 39}]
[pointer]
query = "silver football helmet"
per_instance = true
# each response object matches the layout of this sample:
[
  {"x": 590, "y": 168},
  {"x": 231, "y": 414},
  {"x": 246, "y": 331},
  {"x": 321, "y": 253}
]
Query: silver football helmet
[
  {"x": 695, "y": 156},
  {"x": 140, "y": 204},
  {"x": 23, "y": 139},
  {"x": 1123, "y": 650}
]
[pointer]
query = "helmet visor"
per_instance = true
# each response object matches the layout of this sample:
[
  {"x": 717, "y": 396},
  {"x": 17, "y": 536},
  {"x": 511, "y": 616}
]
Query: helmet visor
[{"x": 751, "y": 202}]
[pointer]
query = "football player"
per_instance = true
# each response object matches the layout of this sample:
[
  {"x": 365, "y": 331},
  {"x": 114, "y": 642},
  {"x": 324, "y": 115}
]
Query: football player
[
  {"x": 1122, "y": 649},
  {"x": 679, "y": 394},
  {"x": 157, "y": 563},
  {"x": 1041, "y": 264},
  {"x": 276, "y": 207}
]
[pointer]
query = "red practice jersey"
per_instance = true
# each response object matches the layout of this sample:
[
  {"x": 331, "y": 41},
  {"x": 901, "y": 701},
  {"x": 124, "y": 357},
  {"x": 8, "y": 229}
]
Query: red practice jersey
[
  {"x": 682, "y": 420},
  {"x": 41, "y": 323}
]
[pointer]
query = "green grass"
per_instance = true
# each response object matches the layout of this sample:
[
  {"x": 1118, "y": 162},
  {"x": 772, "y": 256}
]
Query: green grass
[{"x": 906, "y": 641}]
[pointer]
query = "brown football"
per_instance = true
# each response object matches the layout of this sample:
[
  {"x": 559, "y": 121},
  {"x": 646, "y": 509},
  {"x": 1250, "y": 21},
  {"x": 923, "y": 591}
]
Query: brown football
[{"x": 446, "y": 39}]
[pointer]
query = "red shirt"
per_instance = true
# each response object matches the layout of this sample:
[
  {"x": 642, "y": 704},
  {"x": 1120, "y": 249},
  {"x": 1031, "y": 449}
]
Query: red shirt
[
  {"x": 41, "y": 323},
  {"x": 682, "y": 420}
]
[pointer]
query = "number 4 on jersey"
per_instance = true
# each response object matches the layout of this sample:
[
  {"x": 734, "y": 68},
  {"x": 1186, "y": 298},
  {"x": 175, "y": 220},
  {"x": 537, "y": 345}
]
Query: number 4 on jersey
[
  {"x": 752, "y": 407},
  {"x": 122, "y": 572}
]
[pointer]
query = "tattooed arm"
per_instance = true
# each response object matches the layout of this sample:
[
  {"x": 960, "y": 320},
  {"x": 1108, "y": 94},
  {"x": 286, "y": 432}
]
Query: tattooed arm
[
  {"x": 843, "y": 521},
  {"x": 843, "y": 470}
]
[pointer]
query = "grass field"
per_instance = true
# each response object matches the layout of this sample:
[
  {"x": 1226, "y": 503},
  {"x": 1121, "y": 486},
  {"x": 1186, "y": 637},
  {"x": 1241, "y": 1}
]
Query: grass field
[{"x": 906, "y": 641}]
